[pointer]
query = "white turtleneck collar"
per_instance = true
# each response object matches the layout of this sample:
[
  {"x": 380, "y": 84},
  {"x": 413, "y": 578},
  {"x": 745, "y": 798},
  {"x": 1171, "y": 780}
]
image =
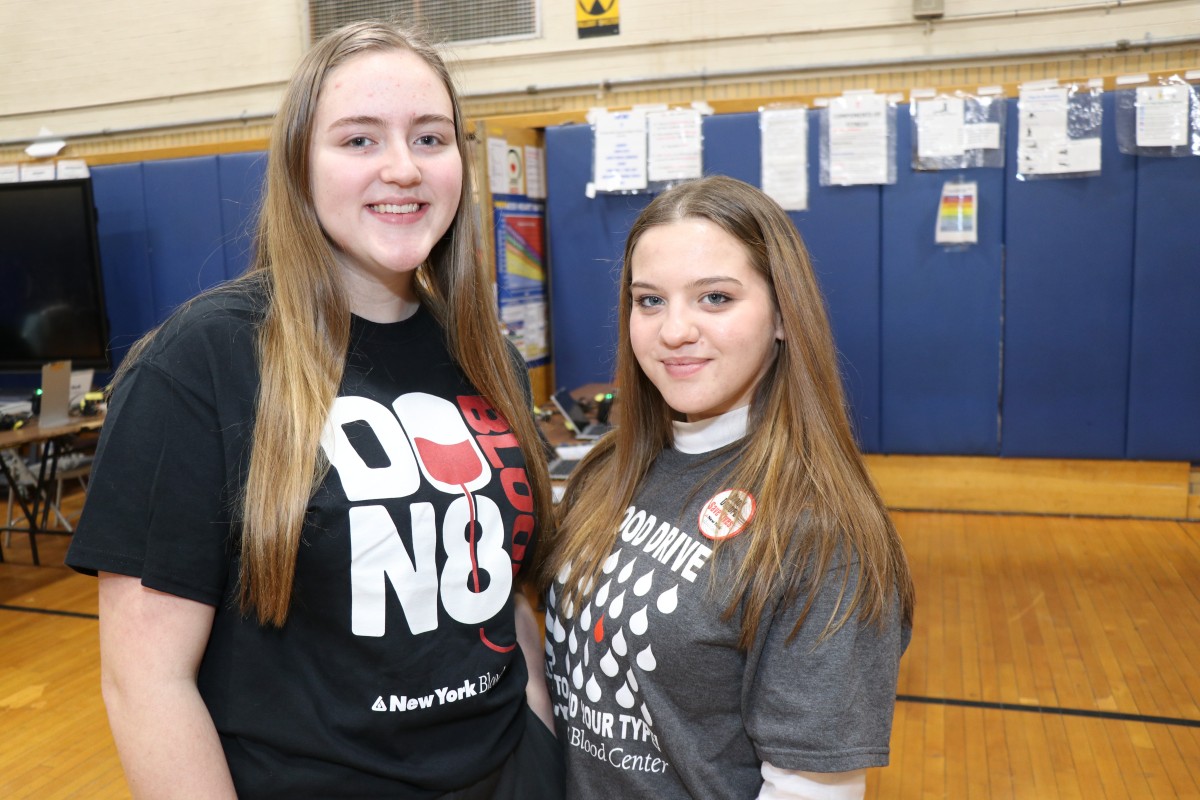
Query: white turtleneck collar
[{"x": 712, "y": 433}]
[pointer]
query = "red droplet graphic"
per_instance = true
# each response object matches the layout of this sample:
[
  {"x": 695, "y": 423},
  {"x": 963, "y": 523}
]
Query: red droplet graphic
[
  {"x": 598, "y": 631},
  {"x": 454, "y": 464}
]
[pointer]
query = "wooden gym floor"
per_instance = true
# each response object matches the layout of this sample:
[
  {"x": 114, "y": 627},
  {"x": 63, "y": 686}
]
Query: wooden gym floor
[{"x": 1053, "y": 657}]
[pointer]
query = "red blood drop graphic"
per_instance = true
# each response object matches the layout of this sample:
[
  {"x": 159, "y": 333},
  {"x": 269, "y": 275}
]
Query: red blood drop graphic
[
  {"x": 598, "y": 631},
  {"x": 455, "y": 464}
]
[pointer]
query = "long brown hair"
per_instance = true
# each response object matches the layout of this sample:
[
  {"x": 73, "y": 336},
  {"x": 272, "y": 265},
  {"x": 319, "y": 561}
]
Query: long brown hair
[
  {"x": 799, "y": 458},
  {"x": 305, "y": 334}
]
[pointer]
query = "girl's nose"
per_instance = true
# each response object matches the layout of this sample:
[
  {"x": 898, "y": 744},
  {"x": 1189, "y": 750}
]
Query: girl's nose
[
  {"x": 678, "y": 328},
  {"x": 400, "y": 167}
]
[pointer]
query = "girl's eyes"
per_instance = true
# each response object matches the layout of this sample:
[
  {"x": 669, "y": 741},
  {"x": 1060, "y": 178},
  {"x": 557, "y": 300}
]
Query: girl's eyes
[
  {"x": 709, "y": 299},
  {"x": 424, "y": 140}
]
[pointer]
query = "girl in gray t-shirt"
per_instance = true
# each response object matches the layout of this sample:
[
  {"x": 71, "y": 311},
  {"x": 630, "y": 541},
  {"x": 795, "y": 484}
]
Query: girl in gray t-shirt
[{"x": 729, "y": 601}]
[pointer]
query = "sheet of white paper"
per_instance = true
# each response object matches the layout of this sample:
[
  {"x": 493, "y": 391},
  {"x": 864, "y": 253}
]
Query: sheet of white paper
[
  {"x": 858, "y": 139},
  {"x": 81, "y": 384},
  {"x": 1162, "y": 116},
  {"x": 981, "y": 136},
  {"x": 528, "y": 321},
  {"x": 37, "y": 172},
  {"x": 620, "y": 151},
  {"x": 535, "y": 183},
  {"x": 1083, "y": 155},
  {"x": 515, "y": 172},
  {"x": 71, "y": 168},
  {"x": 785, "y": 156},
  {"x": 940, "y": 127},
  {"x": 675, "y": 149},
  {"x": 497, "y": 155},
  {"x": 1042, "y": 139}
]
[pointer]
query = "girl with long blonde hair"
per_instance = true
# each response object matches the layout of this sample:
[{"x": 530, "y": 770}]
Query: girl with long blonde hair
[
  {"x": 320, "y": 485},
  {"x": 729, "y": 599}
]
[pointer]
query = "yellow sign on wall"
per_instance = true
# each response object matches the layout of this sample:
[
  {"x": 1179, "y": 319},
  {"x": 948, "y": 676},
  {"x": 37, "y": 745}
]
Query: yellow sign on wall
[{"x": 597, "y": 18}]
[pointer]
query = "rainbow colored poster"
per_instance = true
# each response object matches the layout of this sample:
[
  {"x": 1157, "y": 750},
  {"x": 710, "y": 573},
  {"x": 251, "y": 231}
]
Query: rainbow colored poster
[
  {"x": 957, "y": 214},
  {"x": 521, "y": 274}
]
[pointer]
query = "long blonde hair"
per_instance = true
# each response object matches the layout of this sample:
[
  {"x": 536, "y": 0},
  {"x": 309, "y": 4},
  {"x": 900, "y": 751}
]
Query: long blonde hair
[
  {"x": 815, "y": 498},
  {"x": 305, "y": 334}
]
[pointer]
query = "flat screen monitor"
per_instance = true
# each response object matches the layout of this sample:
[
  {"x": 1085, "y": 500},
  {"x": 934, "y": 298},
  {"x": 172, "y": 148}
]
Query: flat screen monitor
[{"x": 51, "y": 289}]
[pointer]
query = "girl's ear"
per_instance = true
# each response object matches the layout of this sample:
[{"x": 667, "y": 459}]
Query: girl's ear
[{"x": 779, "y": 327}]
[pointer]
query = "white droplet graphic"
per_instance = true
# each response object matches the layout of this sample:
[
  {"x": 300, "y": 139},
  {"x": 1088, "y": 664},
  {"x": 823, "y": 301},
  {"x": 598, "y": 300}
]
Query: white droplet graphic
[
  {"x": 593, "y": 689},
  {"x": 558, "y": 631},
  {"x": 626, "y": 571},
  {"x": 586, "y": 654},
  {"x": 632, "y": 680},
  {"x": 550, "y": 649},
  {"x": 638, "y": 622},
  {"x": 564, "y": 573},
  {"x": 585, "y": 619},
  {"x": 668, "y": 601},
  {"x": 602, "y": 595},
  {"x": 645, "y": 660},
  {"x": 624, "y": 696},
  {"x": 577, "y": 676},
  {"x": 573, "y": 643},
  {"x": 643, "y": 584},
  {"x": 608, "y": 665},
  {"x": 618, "y": 643},
  {"x": 611, "y": 563},
  {"x": 618, "y": 603},
  {"x": 568, "y": 611},
  {"x": 646, "y": 714}
]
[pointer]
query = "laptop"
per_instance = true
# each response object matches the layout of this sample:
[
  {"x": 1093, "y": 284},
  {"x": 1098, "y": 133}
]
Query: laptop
[
  {"x": 575, "y": 417},
  {"x": 561, "y": 468},
  {"x": 566, "y": 458}
]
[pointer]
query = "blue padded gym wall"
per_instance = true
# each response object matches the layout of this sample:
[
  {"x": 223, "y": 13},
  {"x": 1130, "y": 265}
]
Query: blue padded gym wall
[
  {"x": 124, "y": 253},
  {"x": 1164, "y": 381},
  {"x": 585, "y": 238},
  {"x": 941, "y": 313},
  {"x": 1068, "y": 285},
  {"x": 1070, "y": 330},
  {"x": 1087, "y": 286},
  {"x": 241, "y": 184},
  {"x": 847, "y": 269},
  {"x": 183, "y": 212},
  {"x": 169, "y": 229},
  {"x": 841, "y": 230}
]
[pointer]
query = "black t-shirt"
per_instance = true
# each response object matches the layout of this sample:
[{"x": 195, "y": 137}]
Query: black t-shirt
[{"x": 397, "y": 672}]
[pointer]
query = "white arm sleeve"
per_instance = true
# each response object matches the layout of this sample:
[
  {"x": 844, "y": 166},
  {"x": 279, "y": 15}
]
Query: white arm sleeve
[{"x": 790, "y": 784}]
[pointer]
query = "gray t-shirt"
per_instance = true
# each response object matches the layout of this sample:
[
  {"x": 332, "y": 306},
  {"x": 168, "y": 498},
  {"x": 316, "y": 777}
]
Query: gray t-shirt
[{"x": 652, "y": 697}]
